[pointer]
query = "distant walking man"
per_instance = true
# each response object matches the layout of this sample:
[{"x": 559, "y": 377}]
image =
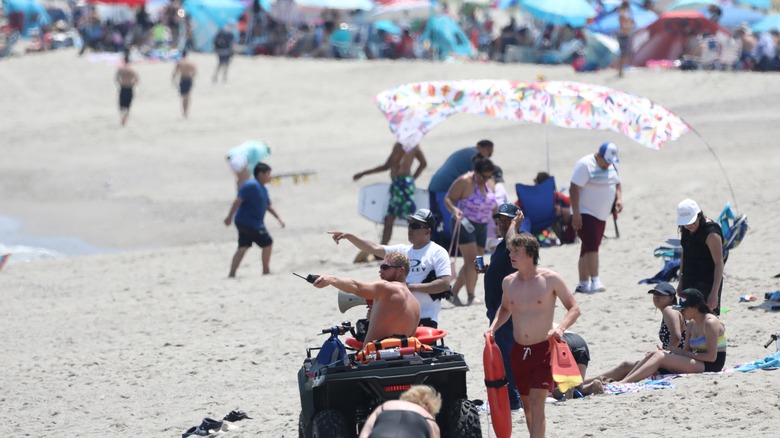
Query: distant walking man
[
  {"x": 626, "y": 23},
  {"x": 224, "y": 46},
  {"x": 595, "y": 187},
  {"x": 529, "y": 299},
  {"x": 402, "y": 188},
  {"x": 127, "y": 79},
  {"x": 249, "y": 210},
  {"x": 185, "y": 70}
]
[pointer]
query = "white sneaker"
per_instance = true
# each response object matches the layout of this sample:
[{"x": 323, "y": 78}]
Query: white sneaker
[
  {"x": 597, "y": 286},
  {"x": 583, "y": 289}
]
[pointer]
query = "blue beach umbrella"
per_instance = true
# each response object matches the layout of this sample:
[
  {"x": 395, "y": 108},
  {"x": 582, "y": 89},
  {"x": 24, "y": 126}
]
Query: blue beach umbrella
[
  {"x": 691, "y": 5},
  {"x": 609, "y": 24},
  {"x": 363, "y": 5},
  {"x": 768, "y": 23},
  {"x": 387, "y": 26},
  {"x": 760, "y": 4},
  {"x": 560, "y": 12},
  {"x": 209, "y": 16},
  {"x": 28, "y": 8},
  {"x": 733, "y": 16}
]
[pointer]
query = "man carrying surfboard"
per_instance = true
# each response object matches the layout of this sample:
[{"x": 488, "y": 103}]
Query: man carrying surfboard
[
  {"x": 529, "y": 299},
  {"x": 430, "y": 273},
  {"x": 402, "y": 188}
]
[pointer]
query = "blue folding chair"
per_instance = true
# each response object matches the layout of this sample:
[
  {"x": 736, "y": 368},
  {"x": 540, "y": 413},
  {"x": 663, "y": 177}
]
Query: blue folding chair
[{"x": 538, "y": 204}]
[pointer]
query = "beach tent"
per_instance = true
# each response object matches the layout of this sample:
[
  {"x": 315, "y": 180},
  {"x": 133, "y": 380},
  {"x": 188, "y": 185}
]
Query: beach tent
[
  {"x": 35, "y": 14},
  {"x": 208, "y": 17},
  {"x": 665, "y": 38},
  {"x": 447, "y": 37}
]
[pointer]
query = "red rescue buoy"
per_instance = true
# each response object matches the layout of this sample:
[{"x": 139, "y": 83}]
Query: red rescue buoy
[{"x": 498, "y": 393}]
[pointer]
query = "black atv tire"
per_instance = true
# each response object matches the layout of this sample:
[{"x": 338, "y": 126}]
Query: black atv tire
[
  {"x": 304, "y": 430},
  {"x": 329, "y": 424},
  {"x": 460, "y": 419}
]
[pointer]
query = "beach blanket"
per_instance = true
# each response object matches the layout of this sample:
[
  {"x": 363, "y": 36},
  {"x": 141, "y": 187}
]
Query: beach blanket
[
  {"x": 771, "y": 362},
  {"x": 667, "y": 273},
  {"x": 622, "y": 388}
]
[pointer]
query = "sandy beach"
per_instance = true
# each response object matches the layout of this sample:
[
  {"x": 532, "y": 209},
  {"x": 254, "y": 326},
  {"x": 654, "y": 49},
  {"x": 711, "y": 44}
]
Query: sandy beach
[{"x": 147, "y": 335}]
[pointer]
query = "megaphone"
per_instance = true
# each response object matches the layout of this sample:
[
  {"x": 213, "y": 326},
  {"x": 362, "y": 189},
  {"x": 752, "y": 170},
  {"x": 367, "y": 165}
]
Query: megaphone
[{"x": 348, "y": 301}]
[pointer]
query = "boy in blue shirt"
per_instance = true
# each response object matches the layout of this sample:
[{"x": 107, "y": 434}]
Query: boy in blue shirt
[{"x": 249, "y": 210}]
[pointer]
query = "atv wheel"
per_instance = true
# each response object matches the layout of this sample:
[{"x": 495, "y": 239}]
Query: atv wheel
[
  {"x": 460, "y": 419},
  {"x": 304, "y": 430},
  {"x": 329, "y": 424}
]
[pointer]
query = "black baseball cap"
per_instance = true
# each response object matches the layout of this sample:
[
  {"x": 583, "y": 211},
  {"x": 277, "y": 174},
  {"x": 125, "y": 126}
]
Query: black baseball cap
[
  {"x": 690, "y": 297},
  {"x": 508, "y": 210},
  {"x": 423, "y": 215},
  {"x": 663, "y": 288}
]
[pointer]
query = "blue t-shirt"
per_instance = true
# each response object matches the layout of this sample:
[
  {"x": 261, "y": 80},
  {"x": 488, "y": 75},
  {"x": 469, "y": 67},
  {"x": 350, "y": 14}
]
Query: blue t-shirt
[
  {"x": 456, "y": 165},
  {"x": 251, "y": 212}
]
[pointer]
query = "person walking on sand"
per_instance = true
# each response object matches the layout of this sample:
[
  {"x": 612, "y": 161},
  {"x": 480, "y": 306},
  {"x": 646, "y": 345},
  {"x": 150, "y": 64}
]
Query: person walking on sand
[
  {"x": 185, "y": 70},
  {"x": 529, "y": 300},
  {"x": 595, "y": 188},
  {"x": 224, "y": 46},
  {"x": 394, "y": 311},
  {"x": 127, "y": 79},
  {"x": 249, "y": 210},
  {"x": 626, "y": 27},
  {"x": 402, "y": 188}
]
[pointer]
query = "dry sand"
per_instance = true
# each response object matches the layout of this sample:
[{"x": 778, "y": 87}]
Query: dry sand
[{"x": 150, "y": 337}]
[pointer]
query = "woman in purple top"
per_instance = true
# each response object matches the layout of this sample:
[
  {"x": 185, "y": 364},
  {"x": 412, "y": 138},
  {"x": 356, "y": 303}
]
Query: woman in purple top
[{"x": 472, "y": 202}]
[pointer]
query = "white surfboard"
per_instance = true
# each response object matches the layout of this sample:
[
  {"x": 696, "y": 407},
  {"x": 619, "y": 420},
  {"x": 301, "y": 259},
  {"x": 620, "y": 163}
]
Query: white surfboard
[{"x": 374, "y": 198}]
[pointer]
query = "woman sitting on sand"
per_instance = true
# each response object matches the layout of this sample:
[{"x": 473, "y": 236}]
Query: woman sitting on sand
[
  {"x": 671, "y": 334},
  {"x": 705, "y": 343},
  {"x": 413, "y": 415}
]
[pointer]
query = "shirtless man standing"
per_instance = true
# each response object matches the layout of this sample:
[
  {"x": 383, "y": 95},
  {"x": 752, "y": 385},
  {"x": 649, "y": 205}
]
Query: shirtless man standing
[
  {"x": 186, "y": 71},
  {"x": 395, "y": 310},
  {"x": 399, "y": 163},
  {"x": 529, "y": 299},
  {"x": 626, "y": 21},
  {"x": 127, "y": 78}
]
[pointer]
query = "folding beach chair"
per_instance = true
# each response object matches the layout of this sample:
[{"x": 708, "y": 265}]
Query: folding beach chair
[
  {"x": 733, "y": 227},
  {"x": 538, "y": 205}
]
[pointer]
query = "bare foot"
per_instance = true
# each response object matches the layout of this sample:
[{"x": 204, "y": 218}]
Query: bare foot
[
  {"x": 456, "y": 301},
  {"x": 473, "y": 300},
  {"x": 594, "y": 387}
]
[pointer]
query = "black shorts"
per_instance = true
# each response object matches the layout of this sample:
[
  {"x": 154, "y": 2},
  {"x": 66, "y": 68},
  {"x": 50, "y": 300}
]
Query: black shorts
[
  {"x": 125, "y": 97},
  {"x": 247, "y": 236},
  {"x": 224, "y": 59},
  {"x": 185, "y": 85},
  {"x": 717, "y": 365}
]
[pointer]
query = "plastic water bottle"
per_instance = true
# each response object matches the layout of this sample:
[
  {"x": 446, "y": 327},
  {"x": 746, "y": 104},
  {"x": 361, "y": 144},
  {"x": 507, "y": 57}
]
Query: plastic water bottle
[{"x": 467, "y": 225}]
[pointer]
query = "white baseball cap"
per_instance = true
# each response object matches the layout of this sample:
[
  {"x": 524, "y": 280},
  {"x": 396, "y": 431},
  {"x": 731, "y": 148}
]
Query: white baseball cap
[{"x": 687, "y": 212}]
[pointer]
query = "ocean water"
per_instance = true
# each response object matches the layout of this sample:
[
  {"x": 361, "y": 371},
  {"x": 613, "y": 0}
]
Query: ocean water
[{"x": 26, "y": 247}]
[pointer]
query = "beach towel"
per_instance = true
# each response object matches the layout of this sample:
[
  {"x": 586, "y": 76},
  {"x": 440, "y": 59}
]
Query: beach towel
[
  {"x": 668, "y": 273},
  {"x": 623, "y": 388},
  {"x": 770, "y": 362}
]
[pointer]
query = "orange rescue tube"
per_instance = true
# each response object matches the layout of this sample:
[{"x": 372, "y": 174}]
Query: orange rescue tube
[{"x": 498, "y": 393}]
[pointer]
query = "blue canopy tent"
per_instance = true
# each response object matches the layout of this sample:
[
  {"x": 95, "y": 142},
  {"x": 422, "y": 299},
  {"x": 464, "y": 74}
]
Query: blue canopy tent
[
  {"x": 35, "y": 14},
  {"x": 208, "y": 17},
  {"x": 447, "y": 37}
]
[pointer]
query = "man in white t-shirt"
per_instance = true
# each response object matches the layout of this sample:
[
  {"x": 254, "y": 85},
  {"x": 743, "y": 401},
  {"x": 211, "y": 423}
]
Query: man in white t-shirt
[
  {"x": 595, "y": 186},
  {"x": 430, "y": 274}
]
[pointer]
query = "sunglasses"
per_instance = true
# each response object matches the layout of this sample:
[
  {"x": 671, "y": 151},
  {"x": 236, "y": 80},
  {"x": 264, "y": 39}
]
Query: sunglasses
[
  {"x": 416, "y": 226},
  {"x": 385, "y": 266}
]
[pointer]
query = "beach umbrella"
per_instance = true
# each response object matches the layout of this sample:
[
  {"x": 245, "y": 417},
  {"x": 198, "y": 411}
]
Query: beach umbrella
[
  {"x": 29, "y": 8},
  {"x": 560, "y": 12},
  {"x": 414, "y": 109},
  {"x": 665, "y": 38},
  {"x": 691, "y": 5},
  {"x": 400, "y": 10},
  {"x": 131, "y": 3},
  {"x": 609, "y": 23},
  {"x": 209, "y": 16},
  {"x": 600, "y": 50},
  {"x": 387, "y": 26},
  {"x": 363, "y": 5},
  {"x": 734, "y": 16},
  {"x": 767, "y": 23},
  {"x": 758, "y": 4}
]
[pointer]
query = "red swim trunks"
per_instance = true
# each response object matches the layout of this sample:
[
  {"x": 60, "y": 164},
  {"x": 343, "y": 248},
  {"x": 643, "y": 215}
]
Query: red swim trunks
[
  {"x": 590, "y": 234},
  {"x": 531, "y": 367}
]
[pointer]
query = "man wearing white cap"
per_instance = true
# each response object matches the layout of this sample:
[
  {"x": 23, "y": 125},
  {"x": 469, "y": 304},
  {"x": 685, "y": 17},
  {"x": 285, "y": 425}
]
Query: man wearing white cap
[{"x": 595, "y": 187}]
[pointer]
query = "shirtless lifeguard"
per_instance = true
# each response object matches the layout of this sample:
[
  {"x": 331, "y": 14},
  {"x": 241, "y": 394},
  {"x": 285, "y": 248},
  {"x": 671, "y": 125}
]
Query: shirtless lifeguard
[
  {"x": 127, "y": 78},
  {"x": 399, "y": 163},
  {"x": 395, "y": 310},
  {"x": 185, "y": 70},
  {"x": 529, "y": 299}
]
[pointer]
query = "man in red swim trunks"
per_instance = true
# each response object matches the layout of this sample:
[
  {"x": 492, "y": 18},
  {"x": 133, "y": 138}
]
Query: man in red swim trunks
[{"x": 529, "y": 299}]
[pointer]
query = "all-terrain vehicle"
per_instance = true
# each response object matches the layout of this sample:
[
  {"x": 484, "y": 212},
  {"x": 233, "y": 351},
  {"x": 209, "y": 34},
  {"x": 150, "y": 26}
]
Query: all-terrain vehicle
[{"x": 339, "y": 391}]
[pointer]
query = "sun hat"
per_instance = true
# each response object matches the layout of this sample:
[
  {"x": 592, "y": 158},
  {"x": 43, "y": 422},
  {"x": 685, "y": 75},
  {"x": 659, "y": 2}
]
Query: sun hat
[
  {"x": 687, "y": 212},
  {"x": 690, "y": 297},
  {"x": 508, "y": 210},
  {"x": 663, "y": 288},
  {"x": 609, "y": 151},
  {"x": 425, "y": 216}
]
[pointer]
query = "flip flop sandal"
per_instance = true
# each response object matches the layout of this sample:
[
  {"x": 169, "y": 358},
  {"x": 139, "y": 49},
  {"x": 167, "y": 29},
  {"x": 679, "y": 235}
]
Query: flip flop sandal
[
  {"x": 236, "y": 416},
  {"x": 195, "y": 430},
  {"x": 210, "y": 424}
]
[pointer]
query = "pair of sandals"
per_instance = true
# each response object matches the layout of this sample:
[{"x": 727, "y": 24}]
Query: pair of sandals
[{"x": 209, "y": 424}]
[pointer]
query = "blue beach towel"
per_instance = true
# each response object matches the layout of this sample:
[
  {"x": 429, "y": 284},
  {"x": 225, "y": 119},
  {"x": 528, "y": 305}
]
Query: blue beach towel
[{"x": 771, "y": 361}]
